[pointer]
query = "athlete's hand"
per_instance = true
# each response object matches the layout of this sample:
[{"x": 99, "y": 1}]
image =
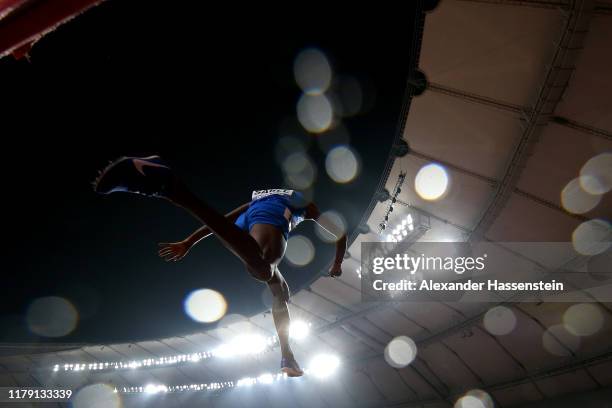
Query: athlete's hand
[
  {"x": 335, "y": 270},
  {"x": 173, "y": 251}
]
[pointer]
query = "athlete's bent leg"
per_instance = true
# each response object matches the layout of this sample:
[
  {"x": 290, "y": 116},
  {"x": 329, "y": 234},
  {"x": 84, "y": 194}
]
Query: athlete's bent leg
[
  {"x": 243, "y": 245},
  {"x": 152, "y": 177}
]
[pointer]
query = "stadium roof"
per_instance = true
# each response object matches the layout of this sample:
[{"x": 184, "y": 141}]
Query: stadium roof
[{"x": 512, "y": 98}]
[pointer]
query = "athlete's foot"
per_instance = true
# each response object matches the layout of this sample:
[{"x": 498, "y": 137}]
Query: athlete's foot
[
  {"x": 290, "y": 367},
  {"x": 148, "y": 176}
]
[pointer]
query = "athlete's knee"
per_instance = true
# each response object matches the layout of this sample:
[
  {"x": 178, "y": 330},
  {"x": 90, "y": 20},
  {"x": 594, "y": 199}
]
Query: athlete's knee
[
  {"x": 261, "y": 270},
  {"x": 279, "y": 288}
]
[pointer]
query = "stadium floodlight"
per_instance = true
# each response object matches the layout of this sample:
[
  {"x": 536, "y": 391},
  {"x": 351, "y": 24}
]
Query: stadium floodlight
[
  {"x": 299, "y": 329},
  {"x": 154, "y": 389},
  {"x": 324, "y": 365},
  {"x": 266, "y": 378}
]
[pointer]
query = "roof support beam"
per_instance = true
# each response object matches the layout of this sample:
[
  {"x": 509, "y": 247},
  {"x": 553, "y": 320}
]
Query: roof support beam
[
  {"x": 495, "y": 184},
  {"x": 526, "y": 3},
  {"x": 577, "y": 20},
  {"x": 574, "y": 364},
  {"x": 600, "y": 6},
  {"x": 474, "y": 98},
  {"x": 505, "y": 106},
  {"x": 423, "y": 156},
  {"x": 581, "y": 127}
]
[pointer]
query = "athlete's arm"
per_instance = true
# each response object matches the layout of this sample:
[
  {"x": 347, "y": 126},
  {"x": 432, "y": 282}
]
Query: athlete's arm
[
  {"x": 313, "y": 213},
  {"x": 175, "y": 251}
]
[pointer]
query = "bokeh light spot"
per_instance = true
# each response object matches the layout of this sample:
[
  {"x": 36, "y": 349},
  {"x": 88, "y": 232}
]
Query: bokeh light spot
[
  {"x": 300, "y": 251},
  {"x": 334, "y": 218},
  {"x": 469, "y": 401},
  {"x": 475, "y": 399},
  {"x": 499, "y": 320},
  {"x": 575, "y": 200},
  {"x": 312, "y": 71},
  {"x": 286, "y": 146},
  {"x": 315, "y": 113},
  {"x": 584, "y": 319},
  {"x": 596, "y": 174},
  {"x": 52, "y": 316},
  {"x": 431, "y": 182},
  {"x": 299, "y": 170},
  {"x": 400, "y": 351},
  {"x": 342, "y": 164},
  {"x": 96, "y": 396},
  {"x": 592, "y": 237},
  {"x": 205, "y": 305}
]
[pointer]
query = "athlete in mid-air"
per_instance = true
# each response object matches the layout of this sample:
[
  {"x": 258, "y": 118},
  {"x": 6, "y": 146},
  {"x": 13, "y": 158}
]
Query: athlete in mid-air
[{"x": 256, "y": 232}]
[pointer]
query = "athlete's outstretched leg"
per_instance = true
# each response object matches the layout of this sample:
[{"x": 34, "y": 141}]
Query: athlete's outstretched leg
[
  {"x": 282, "y": 321},
  {"x": 152, "y": 177}
]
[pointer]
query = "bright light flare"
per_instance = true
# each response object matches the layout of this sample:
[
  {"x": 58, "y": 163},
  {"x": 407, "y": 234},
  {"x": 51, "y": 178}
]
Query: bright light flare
[
  {"x": 431, "y": 182},
  {"x": 324, "y": 365},
  {"x": 299, "y": 330}
]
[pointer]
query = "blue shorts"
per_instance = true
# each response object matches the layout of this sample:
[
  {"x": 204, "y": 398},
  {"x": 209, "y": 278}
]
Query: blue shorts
[{"x": 268, "y": 210}]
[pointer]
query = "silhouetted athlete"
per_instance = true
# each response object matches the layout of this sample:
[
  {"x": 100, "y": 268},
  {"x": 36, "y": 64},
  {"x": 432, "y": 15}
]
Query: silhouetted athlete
[{"x": 256, "y": 232}]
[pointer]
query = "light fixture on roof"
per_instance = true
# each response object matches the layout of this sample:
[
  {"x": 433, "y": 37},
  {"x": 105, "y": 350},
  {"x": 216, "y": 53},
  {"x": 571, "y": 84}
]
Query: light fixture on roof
[
  {"x": 266, "y": 378},
  {"x": 240, "y": 346},
  {"x": 396, "y": 192},
  {"x": 401, "y": 230}
]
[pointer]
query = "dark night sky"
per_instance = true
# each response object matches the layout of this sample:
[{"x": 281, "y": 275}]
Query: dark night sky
[{"x": 206, "y": 90}]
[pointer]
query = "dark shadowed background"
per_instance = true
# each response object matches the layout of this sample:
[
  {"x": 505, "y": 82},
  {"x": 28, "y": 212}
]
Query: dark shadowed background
[{"x": 212, "y": 92}]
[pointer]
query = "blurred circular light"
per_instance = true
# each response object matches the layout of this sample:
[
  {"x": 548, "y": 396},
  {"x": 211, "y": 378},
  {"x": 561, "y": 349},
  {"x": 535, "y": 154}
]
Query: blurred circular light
[
  {"x": 334, "y": 218},
  {"x": 96, "y": 396},
  {"x": 499, "y": 320},
  {"x": 312, "y": 71},
  {"x": 298, "y": 330},
  {"x": 596, "y": 174},
  {"x": 575, "y": 200},
  {"x": 286, "y": 146},
  {"x": 300, "y": 251},
  {"x": 400, "y": 352},
  {"x": 431, "y": 182},
  {"x": 468, "y": 401},
  {"x": 584, "y": 319},
  {"x": 299, "y": 170},
  {"x": 592, "y": 237},
  {"x": 205, "y": 305},
  {"x": 315, "y": 113},
  {"x": 560, "y": 342},
  {"x": 52, "y": 316},
  {"x": 324, "y": 365},
  {"x": 475, "y": 399},
  {"x": 342, "y": 164}
]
